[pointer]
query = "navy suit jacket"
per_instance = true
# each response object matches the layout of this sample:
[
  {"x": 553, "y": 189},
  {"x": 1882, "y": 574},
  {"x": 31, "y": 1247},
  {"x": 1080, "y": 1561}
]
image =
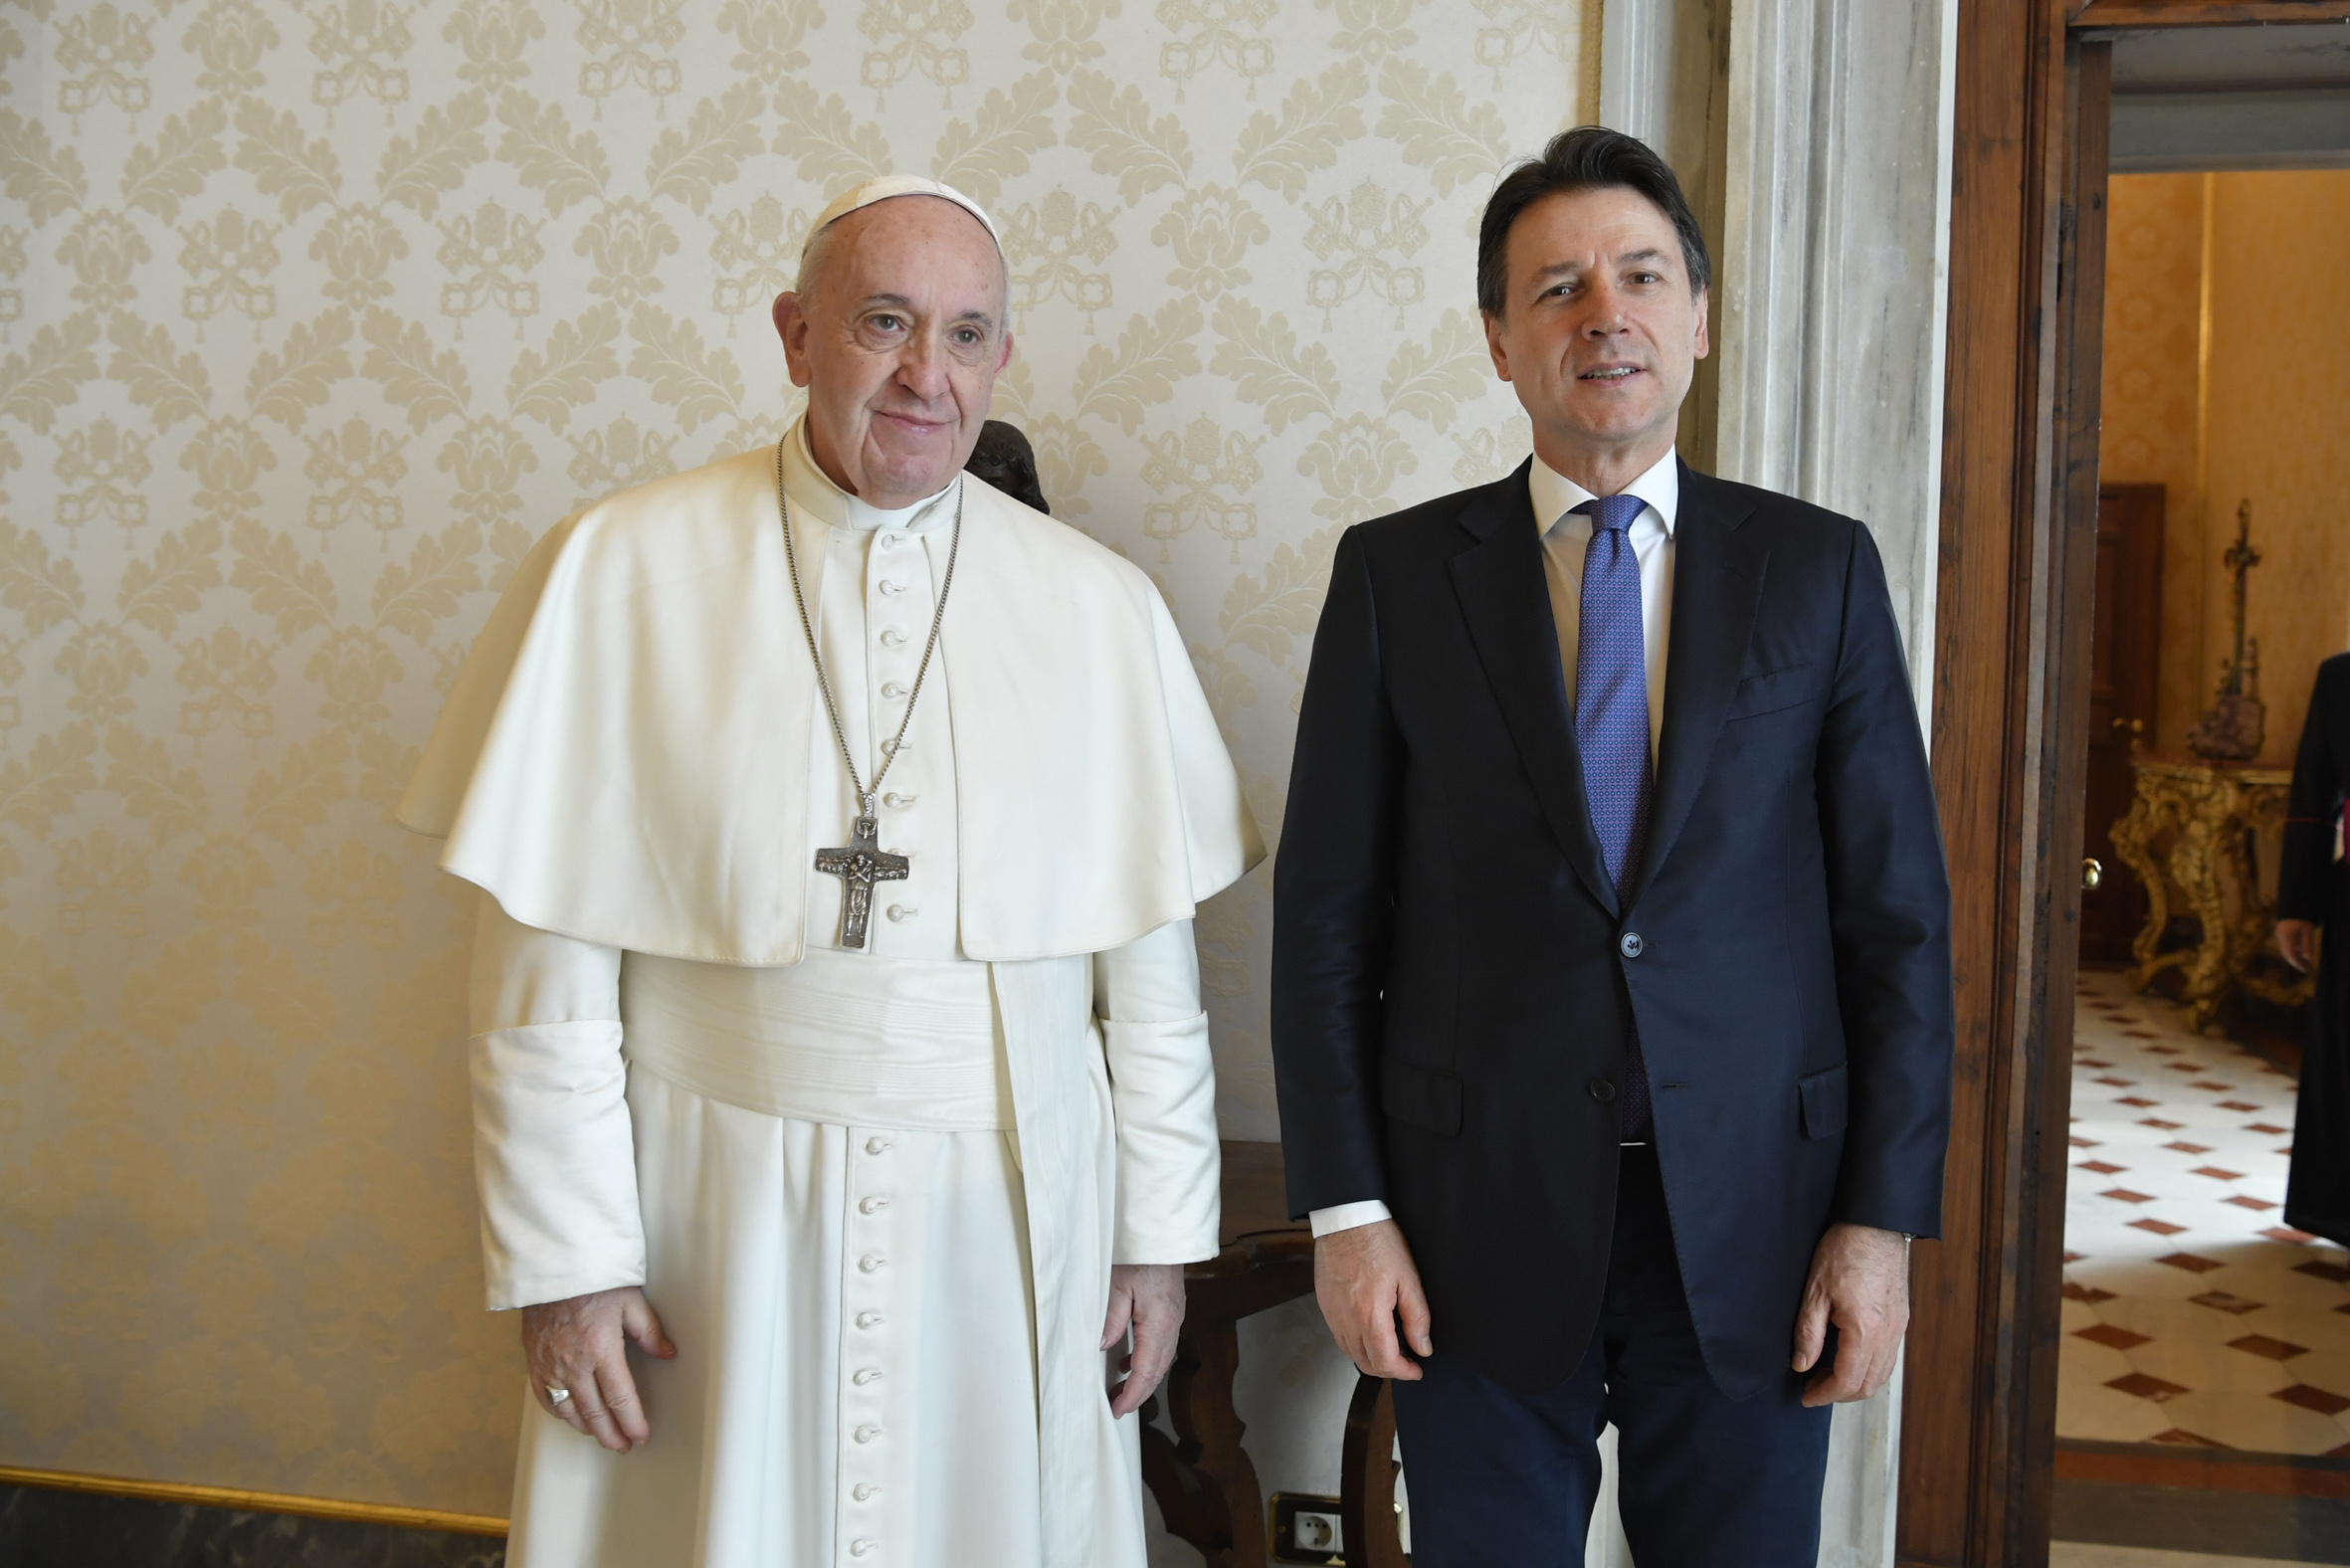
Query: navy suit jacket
[{"x": 1455, "y": 980}]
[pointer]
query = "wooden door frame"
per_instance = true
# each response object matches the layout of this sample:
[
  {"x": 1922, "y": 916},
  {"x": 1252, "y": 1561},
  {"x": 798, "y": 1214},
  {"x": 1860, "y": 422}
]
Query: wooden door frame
[{"x": 2017, "y": 575}]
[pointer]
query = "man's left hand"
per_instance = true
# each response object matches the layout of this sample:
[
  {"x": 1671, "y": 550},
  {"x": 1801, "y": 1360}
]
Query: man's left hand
[
  {"x": 1148, "y": 1299},
  {"x": 1861, "y": 1284}
]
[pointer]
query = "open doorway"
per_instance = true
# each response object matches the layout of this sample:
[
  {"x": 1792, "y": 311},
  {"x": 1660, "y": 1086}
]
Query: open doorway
[{"x": 2203, "y": 1401}]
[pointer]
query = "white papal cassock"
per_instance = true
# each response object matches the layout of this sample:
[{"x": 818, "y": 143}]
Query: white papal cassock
[{"x": 874, "y": 1196}]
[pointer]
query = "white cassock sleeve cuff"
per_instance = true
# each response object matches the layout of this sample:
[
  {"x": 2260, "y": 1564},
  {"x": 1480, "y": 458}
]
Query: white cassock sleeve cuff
[
  {"x": 1346, "y": 1216},
  {"x": 555, "y": 1152},
  {"x": 554, "y": 1159},
  {"x": 1162, "y": 1084}
]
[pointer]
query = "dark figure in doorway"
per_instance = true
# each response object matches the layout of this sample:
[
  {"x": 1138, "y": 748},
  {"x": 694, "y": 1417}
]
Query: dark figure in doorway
[
  {"x": 2312, "y": 891},
  {"x": 1005, "y": 460}
]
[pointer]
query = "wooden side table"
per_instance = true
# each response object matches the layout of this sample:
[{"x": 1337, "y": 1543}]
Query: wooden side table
[
  {"x": 2189, "y": 825},
  {"x": 1366, "y": 1505},
  {"x": 1207, "y": 1488}
]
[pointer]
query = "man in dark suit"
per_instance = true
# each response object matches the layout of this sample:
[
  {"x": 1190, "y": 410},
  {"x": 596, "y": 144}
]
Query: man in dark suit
[{"x": 1612, "y": 998}]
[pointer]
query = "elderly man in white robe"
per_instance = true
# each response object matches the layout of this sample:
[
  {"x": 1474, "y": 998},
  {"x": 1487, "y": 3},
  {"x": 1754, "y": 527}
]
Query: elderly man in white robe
[{"x": 841, "y": 1090}]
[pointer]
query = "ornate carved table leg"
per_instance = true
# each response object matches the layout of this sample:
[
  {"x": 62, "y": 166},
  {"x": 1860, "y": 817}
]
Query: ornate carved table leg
[
  {"x": 2196, "y": 863},
  {"x": 1207, "y": 1488},
  {"x": 1366, "y": 1482},
  {"x": 2134, "y": 841},
  {"x": 1218, "y": 1506}
]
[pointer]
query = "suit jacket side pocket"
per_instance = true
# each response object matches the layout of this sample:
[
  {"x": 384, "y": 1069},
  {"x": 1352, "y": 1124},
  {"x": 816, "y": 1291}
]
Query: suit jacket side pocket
[
  {"x": 1824, "y": 1096},
  {"x": 1772, "y": 692},
  {"x": 1420, "y": 1096}
]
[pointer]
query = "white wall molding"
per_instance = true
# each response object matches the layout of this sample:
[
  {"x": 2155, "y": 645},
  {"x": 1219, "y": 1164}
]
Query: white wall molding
[{"x": 1834, "y": 271}]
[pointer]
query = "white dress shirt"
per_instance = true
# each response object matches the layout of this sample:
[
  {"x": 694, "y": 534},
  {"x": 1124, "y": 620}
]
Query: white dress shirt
[{"x": 1566, "y": 534}]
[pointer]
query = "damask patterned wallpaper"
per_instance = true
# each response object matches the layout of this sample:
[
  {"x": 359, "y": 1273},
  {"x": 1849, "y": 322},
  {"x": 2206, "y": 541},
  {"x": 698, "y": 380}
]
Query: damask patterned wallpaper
[
  {"x": 314, "y": 313},
  {"x": 2279, "y": 276},
  {"x": 2151, "y": 411},
  {"x": 2265, "y": 250}
]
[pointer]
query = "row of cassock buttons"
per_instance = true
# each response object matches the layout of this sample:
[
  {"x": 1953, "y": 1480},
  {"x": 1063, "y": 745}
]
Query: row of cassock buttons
[
  {"x": 892, "y": 636},
  {"x": 871, "y": 1264}
]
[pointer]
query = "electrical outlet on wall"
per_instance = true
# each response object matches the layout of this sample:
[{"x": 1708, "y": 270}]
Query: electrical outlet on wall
[{"x": 1305, "y": 1528}]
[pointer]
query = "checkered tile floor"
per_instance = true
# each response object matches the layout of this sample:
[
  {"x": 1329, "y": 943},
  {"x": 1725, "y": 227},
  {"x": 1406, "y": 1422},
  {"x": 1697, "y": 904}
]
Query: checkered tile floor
[{"x": 2192, "y": 1314}]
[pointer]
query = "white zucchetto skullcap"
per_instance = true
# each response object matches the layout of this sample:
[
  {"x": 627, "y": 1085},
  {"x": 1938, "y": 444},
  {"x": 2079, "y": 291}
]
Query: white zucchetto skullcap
[{"x": 890, "y": 185}]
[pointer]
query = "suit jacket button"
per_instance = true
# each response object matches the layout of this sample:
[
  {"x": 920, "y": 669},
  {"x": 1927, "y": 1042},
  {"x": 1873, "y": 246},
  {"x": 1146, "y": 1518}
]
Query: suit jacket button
[
  {"x": 1630, "y": 944},
  {"x": 1601, "y": 1089}
]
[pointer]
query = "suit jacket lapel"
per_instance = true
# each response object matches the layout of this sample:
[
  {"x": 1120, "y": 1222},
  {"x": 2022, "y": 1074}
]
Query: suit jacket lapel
[
  {"x": 1717, "y": 578},
  {"x": 1505, "y": 597}
]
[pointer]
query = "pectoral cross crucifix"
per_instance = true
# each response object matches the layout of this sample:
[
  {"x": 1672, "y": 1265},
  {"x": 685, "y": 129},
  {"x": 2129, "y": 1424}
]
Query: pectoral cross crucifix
[{"x": 858, "y": 866}]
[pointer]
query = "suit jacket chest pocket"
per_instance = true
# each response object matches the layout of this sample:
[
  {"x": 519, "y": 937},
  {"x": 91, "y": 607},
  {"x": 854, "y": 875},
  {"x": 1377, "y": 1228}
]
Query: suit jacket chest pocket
[{"x": 1773, "y": 692}]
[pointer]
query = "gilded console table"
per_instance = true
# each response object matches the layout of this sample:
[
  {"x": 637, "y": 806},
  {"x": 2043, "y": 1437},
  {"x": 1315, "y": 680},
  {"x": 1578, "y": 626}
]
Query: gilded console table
[{"x": 2190, "y": 827}]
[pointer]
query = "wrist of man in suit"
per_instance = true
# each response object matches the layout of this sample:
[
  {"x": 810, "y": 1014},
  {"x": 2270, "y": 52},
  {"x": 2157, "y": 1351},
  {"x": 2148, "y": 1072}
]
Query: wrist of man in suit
[{"x": 1346, "y": 1216}]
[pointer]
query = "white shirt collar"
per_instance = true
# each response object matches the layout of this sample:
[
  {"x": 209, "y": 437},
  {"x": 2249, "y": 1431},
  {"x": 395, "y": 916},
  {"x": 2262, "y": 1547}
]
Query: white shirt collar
[
  {"x": 812, "y": 490},
  {"x": 1554, "y": 495}
]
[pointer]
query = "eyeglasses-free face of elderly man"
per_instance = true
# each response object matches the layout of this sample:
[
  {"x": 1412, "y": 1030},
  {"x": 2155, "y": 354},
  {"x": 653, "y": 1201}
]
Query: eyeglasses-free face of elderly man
[
  {"x": 899, "y": 330},
  {"x": 883, "y": 1337}
]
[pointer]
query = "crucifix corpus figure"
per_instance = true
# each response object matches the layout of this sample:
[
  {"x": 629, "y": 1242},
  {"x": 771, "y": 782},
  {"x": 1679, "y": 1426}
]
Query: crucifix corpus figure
[
  {"x": 858, "y": 866},
  {"x": 877, "y": 1215}
]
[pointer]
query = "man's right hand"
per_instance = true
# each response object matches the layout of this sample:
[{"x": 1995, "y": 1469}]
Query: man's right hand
[
  {"x": 2297, "y": 940},
  {"x": 1365, "y": 1279},
  {"x": 582, "y": 1345}
]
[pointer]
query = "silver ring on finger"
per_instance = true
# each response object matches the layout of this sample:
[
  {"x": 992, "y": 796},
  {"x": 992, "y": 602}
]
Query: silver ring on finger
[{"x": 556, "y": 1396}]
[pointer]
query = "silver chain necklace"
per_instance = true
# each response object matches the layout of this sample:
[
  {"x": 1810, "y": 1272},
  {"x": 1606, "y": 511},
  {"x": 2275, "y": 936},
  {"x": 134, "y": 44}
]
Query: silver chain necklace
[{"x": 863, "y": 862}]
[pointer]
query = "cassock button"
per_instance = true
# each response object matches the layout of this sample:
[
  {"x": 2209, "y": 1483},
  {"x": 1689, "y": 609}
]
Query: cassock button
[
  {"x": 1630, "y": 944},
  {"x": 877, "y": 1145},
  {"x": 860, "y": 1548},
  {"x": 873, "y": 1263},
  {"x": 863, "y": 1491},
  {"x": 892, "y": 691},
  {"x": 869, "y": 1321},
  {"x": 1601, "y": 1089},
  {"x": 888, "y": 542},
  {"x": 892, "y": 638},
  {"x": 865, "y": 1434},
  {"x": 871, "y": 1205},
  {"x": 901, "y": 912},
  {"x": 865, "y": 1375}
]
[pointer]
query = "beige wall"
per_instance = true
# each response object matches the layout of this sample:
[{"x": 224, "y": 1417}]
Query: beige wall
[
  {"x": 2151, "y": 433},
  {"x": 313, "y": 318},
  {"x": 2248, "y": 405},
  {"x": 2276, "y": 398}
]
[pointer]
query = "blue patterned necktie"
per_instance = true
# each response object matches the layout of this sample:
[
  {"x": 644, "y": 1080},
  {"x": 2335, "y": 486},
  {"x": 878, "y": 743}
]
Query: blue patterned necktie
[{"x": 1612, "y": 730}]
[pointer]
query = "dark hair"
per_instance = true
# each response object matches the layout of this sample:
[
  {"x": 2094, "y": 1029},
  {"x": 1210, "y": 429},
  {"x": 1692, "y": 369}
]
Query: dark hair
[
  {"x": 1588, "y": 158},
  {"x": 1003, "y": 457}
]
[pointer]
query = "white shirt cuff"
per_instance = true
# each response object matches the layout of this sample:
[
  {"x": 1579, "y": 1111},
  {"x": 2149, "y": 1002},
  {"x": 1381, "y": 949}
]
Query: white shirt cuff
[{"x": 1346, "y": 1216}]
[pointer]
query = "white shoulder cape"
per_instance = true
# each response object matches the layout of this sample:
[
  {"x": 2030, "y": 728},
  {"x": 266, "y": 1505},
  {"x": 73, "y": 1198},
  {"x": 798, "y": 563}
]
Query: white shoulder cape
[{"x": 623, "y": 756}]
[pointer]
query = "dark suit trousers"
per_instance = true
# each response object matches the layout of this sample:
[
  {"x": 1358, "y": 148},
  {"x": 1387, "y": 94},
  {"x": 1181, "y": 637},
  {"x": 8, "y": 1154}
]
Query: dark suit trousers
[{"x": 1704, "y": 1480}]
